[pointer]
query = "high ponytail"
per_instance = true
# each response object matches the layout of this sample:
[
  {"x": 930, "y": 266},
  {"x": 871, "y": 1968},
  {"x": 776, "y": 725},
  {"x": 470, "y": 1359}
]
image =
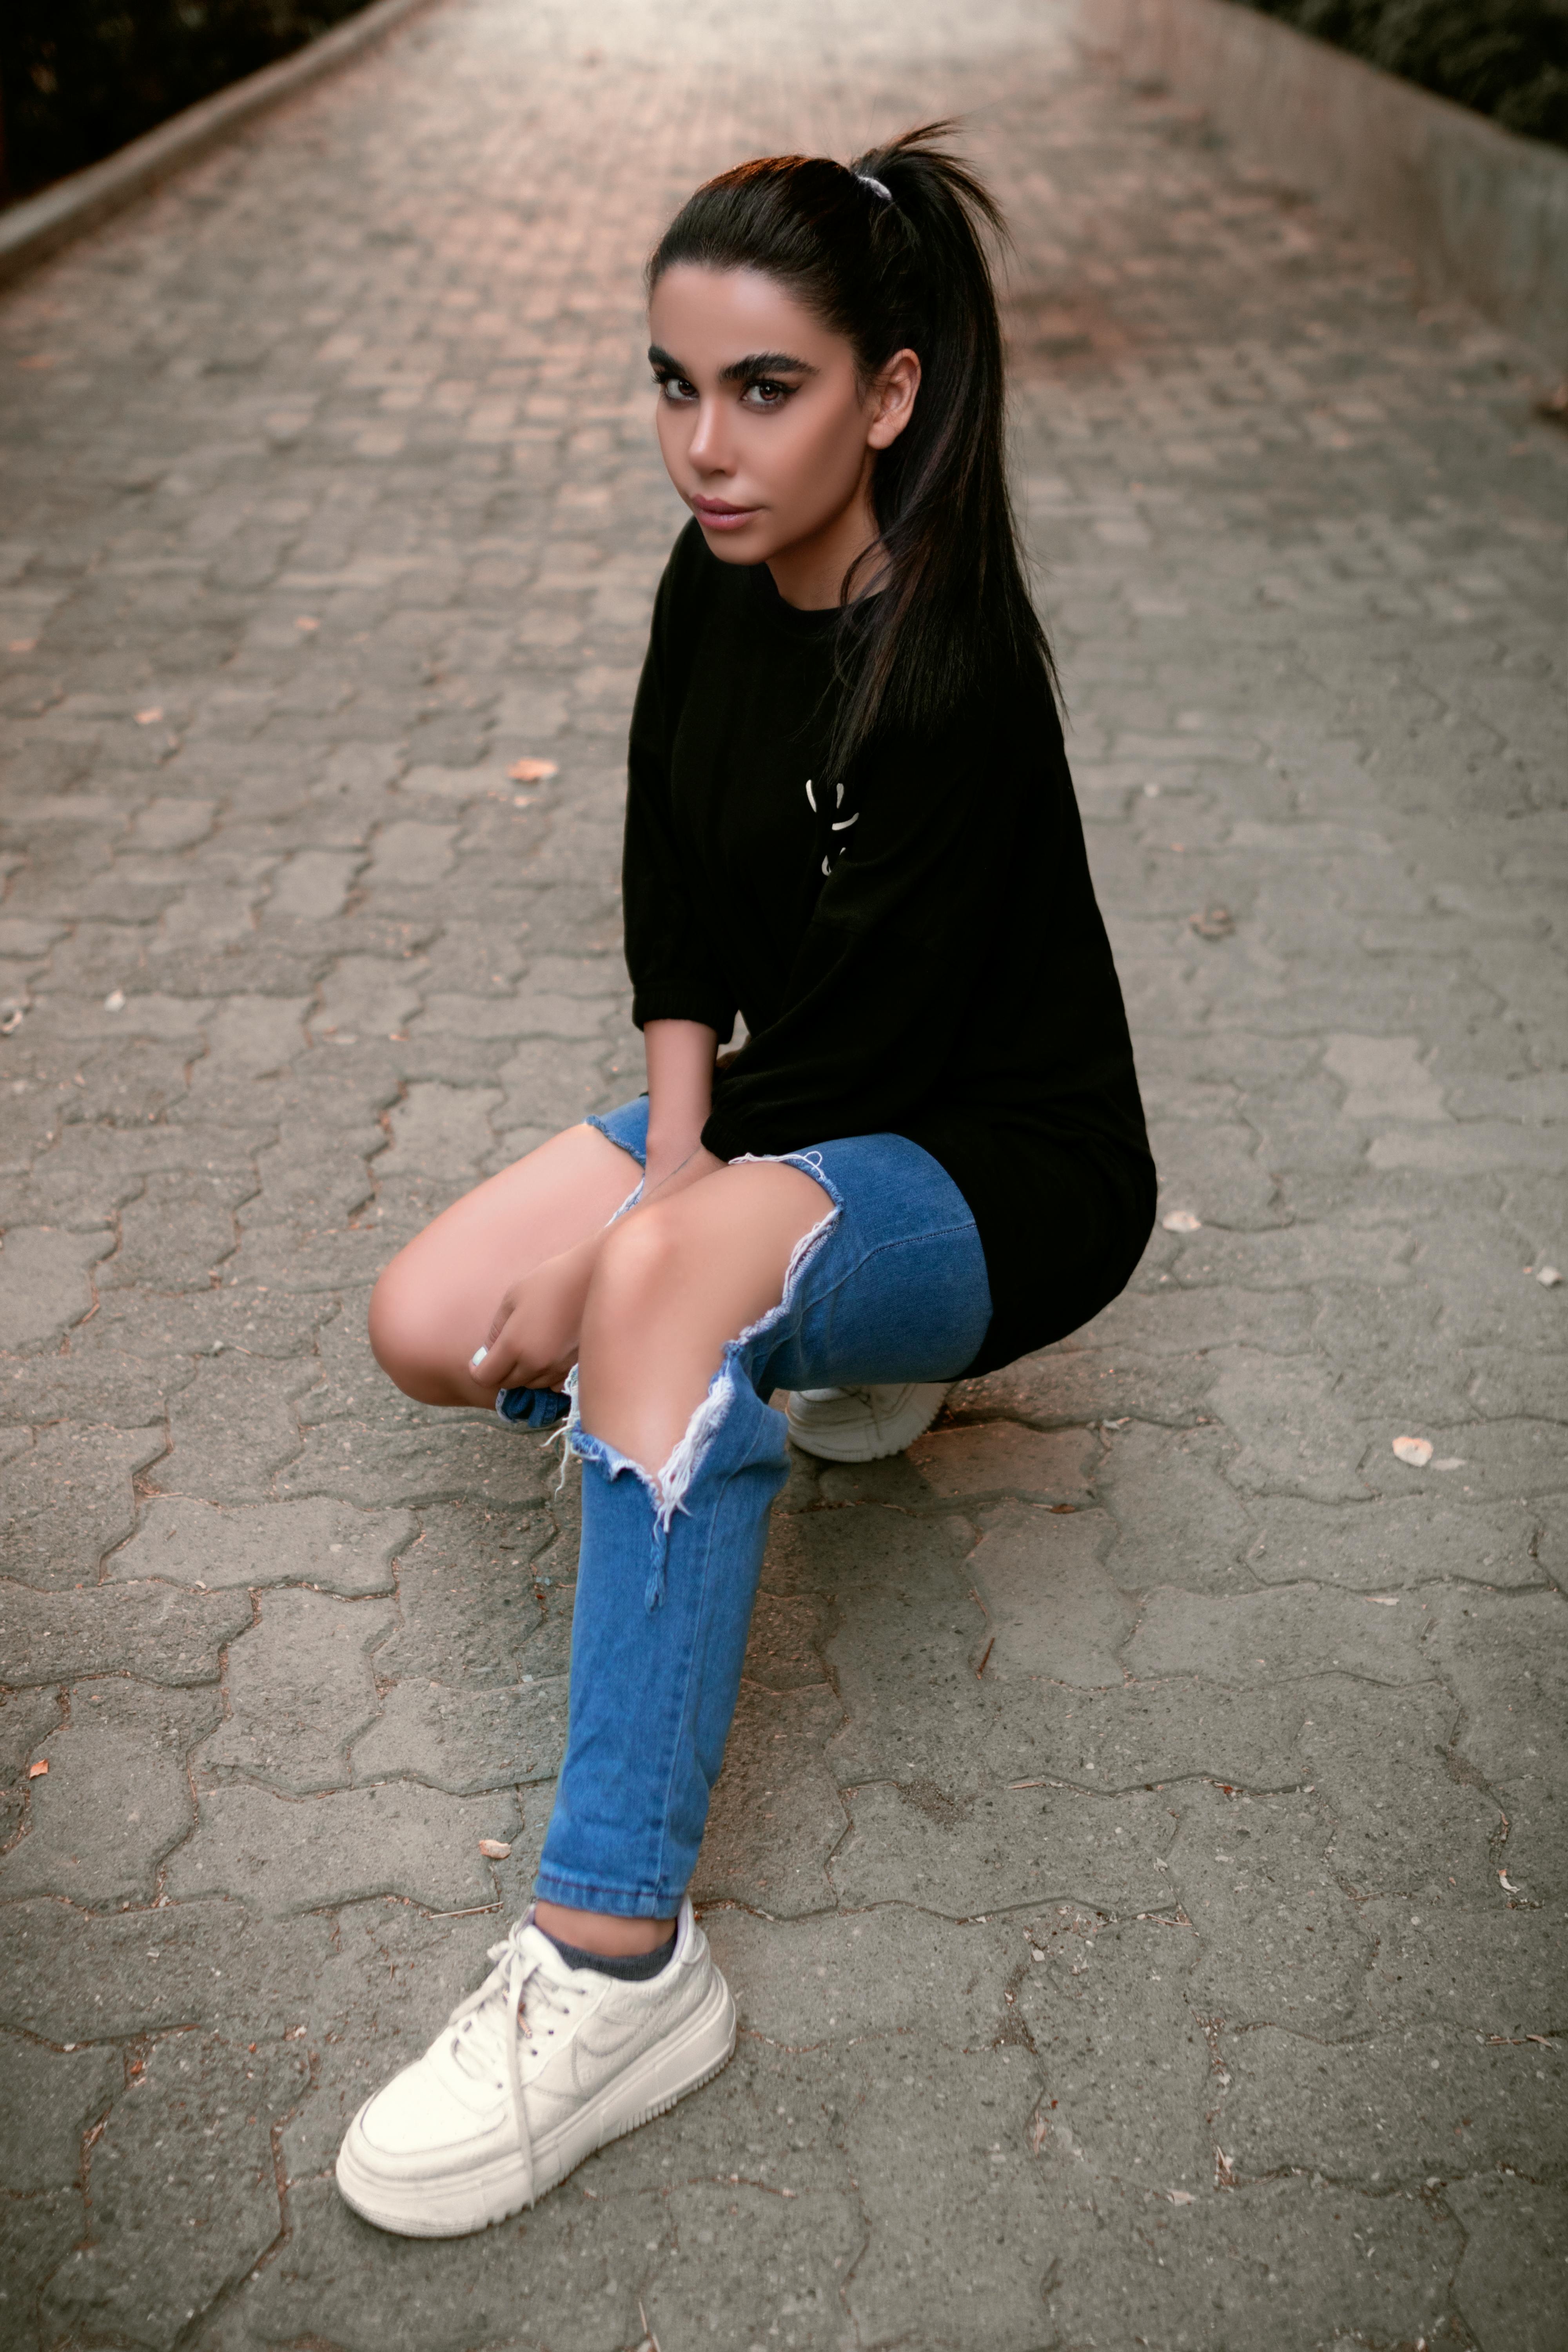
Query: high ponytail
[{"x": 890, "y": 252}]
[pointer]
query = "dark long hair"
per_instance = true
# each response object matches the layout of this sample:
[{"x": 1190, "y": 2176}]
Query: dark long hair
[{"x": 886, "y": 271}]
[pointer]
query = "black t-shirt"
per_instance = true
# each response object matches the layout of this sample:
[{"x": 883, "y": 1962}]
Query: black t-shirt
[{"x": 915, "y": 946}]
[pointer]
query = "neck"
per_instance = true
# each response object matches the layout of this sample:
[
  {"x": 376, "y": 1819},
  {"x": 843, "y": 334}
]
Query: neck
[{"x": 810, "y": 574}]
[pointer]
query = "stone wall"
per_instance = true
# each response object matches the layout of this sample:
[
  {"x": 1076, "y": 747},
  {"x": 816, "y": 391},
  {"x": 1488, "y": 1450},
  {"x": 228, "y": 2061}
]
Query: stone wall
[{"x": 1481, "y": 212}]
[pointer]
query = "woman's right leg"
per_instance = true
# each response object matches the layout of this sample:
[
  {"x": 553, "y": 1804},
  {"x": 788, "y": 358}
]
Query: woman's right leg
[
  {"x": 868, "y": 1270},
  {"x": 433, "y": 1305}
]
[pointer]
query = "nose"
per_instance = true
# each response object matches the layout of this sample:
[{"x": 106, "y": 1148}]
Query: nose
[{"x": 709, "y": 448}]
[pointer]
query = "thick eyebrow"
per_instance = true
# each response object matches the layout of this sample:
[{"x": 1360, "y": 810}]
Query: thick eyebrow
[
  {"x": 746, "y": 370},
  {"x": 756, "y": 363}
]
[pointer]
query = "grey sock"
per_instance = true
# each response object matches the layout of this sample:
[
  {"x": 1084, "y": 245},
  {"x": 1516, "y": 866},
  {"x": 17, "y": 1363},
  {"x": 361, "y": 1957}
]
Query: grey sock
[{"x": 630, "y": 1968}]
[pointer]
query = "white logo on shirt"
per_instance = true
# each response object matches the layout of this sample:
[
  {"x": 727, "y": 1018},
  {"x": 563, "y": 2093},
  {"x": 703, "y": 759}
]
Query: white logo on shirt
[{"x": 840, "y": 825}]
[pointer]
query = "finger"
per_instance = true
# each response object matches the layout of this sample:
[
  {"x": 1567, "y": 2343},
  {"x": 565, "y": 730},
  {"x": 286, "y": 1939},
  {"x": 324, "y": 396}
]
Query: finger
[
  {"x": 481, "y": 1371},
  {"x": 501, "y": 1369},
  {"x": 511, "y": 1362},
  {"x": 499, "y": 1320}
]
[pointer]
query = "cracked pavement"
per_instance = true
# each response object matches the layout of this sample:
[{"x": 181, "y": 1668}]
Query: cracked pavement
[{"x": 1140, "y": 1859}]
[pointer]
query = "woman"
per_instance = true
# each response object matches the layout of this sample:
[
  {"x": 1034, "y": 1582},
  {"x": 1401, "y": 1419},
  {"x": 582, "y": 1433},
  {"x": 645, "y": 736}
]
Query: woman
[{"x": 851, "y": 821}]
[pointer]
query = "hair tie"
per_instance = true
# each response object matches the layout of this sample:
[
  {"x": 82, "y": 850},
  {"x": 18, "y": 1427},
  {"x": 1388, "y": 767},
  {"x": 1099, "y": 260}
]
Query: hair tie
[{"x": 876, "y": 186}]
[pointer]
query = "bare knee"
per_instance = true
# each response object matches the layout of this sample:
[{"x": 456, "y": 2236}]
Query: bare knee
[
  {"x": 674, "y": 1284},
  {"x": 681, "y": 1279},
  {"x": 642, "y": 1267},
  {"x": 406, "y": 1335}
]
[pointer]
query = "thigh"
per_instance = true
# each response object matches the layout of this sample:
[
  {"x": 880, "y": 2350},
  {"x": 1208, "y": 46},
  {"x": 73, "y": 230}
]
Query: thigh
[
  {"x": 894, "y": 1289},
  {"x": 433, "y": 1305}
]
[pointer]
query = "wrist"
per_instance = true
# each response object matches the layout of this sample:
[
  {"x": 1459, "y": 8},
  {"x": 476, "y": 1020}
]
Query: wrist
[
  {"x": 662, "y": 1179},
  {"x": 667, "y": 1146}
]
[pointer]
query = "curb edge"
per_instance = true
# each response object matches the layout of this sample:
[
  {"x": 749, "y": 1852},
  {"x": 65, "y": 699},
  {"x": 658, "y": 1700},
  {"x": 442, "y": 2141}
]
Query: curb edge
[{"x": 41, "y": 225}]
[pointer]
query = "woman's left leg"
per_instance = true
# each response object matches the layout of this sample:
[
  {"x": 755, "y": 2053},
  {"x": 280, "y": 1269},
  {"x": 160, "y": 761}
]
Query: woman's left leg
[{"x": 559, "y": 2051}]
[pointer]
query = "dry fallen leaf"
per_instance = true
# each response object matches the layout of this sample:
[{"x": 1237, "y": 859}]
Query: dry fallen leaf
[
  {"x": 1179, "y": 2196},
  {"x": 494, "y": 1849},
  {"x": 1417, "y": 1451},
  {"x": 149, "y": 717},
  {"x": 1548, "y": 1276},
  {"x": 35, "y": 1769},
  {"x": 532, "y": 771},
  {"x": 1504, "y": 1880},
  {"x": 115, "y": 1001},
  {"x": 1182, "y": 1221}
]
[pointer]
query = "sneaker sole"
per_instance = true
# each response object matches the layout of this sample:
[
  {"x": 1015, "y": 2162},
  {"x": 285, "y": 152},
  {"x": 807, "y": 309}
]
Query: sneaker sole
[
  {"x": 869, "y": 1442},
  {"x": 455, "y": 2208}
]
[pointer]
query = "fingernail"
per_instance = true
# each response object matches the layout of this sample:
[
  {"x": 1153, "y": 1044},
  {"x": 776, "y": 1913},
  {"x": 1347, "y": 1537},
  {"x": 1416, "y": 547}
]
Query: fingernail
[{"x": 477, "y": 1359}]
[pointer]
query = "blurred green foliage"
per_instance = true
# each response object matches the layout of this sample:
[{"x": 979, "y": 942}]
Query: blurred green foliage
[
  {"x": 1508, "y": 58},
  {"x": 79, "y": 78}
]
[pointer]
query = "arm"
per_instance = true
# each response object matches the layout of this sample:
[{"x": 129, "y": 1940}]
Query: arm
[
  {"x": 674, "y": 980},
  {"x": 680, "y": 1095},
  {"x": 679, "y": 1002}
]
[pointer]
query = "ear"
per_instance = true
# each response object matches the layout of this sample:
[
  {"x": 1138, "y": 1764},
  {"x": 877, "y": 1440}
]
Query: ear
[{"x": 892, "y": 399}]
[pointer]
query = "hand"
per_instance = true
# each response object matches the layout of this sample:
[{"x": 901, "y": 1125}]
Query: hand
[{"x": 534, "y": 1332}]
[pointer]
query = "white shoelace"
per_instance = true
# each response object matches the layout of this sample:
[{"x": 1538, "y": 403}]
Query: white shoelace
[{"x": 495, "y": 2015}]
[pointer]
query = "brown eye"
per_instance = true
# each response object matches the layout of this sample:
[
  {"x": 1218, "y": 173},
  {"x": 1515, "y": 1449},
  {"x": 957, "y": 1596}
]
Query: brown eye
[{"x": 765, "y": 393}]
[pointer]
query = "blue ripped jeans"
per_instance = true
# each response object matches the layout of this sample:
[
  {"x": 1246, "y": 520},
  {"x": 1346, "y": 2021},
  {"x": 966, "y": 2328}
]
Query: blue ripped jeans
[{"x": 891, "y": 1286}]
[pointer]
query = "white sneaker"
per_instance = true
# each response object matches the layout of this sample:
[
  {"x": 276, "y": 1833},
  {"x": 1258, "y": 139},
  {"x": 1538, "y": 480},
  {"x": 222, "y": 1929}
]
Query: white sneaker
[
  {"x": 862, "y": 1424},
  {"x": 540, "y": 2067}
]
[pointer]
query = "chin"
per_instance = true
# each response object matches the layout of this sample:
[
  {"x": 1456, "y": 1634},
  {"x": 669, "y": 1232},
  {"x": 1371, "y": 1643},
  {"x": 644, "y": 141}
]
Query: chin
[{"x": 743, "y": 546}]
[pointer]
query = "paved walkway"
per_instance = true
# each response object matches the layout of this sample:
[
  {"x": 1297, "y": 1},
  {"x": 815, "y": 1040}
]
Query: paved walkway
[{"x": 1141, "y": 1858}]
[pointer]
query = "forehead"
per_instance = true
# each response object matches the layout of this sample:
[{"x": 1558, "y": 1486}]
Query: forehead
[{"x": 720, "y": 315}]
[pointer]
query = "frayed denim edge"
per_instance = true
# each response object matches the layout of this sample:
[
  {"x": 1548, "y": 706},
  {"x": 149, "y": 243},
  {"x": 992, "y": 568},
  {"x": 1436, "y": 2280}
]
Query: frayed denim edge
[
  {"x": 600, "y": 1126},
  {"x": 668, "y": 1489},
  {"x": 630, "y": 1201}
]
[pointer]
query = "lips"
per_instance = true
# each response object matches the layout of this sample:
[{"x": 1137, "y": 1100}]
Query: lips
[{"x": 719, "y": 516}]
